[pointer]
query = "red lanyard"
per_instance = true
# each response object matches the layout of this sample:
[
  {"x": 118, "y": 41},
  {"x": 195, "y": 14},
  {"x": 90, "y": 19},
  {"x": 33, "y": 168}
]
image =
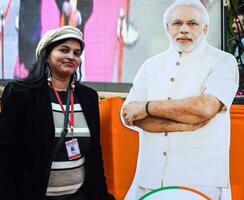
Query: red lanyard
[{"x": 71, "y": 120}]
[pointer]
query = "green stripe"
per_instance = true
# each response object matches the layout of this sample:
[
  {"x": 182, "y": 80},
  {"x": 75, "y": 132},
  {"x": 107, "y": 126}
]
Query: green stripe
[{"x": 159, "y": 189}]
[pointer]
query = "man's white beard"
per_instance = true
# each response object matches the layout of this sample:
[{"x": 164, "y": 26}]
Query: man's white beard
[{"x": 186, "y": 48}]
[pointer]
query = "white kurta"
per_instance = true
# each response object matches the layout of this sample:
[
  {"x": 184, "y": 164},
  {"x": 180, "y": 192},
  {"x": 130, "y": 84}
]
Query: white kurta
[{"x": 200, "y": 157}]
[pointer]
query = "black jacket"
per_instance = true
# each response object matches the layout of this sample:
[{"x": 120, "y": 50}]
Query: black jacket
[{"x": 26, "y": 138}]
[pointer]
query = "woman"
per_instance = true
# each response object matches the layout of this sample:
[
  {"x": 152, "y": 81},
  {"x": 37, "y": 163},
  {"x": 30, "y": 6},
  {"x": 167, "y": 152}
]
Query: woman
[{"x": 36, "y": 162}]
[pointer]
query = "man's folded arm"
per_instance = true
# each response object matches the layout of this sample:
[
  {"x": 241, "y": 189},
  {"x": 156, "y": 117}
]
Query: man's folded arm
[
  {"x": 191, "y": 110},
  {"x": 159, "y": 125}
]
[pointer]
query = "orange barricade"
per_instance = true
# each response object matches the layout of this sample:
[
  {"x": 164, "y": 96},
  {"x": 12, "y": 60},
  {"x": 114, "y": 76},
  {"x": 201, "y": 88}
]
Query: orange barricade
[
  {"x": 237, "y": 152},
  {"x": 120, "y": 148}
]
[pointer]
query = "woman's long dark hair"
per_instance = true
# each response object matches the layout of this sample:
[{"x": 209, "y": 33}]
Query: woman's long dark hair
[{"x": 38, "y": 72}]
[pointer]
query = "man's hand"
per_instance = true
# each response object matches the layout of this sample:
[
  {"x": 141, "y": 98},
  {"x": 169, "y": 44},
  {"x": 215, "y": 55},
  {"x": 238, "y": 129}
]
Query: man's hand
[{"x": 134, "y": 111}]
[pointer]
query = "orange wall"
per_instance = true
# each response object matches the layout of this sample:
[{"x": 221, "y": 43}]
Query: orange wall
[{"x": 120, "y": 147}]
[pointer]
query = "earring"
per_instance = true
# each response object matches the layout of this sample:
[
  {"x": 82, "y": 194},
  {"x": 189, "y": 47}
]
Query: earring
[
  {"x": 48, "y": 72},
  {"x": 73, "y": 83}
]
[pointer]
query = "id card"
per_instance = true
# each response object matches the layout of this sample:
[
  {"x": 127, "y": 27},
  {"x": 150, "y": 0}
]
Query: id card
[{"x": 73, "y": 149}]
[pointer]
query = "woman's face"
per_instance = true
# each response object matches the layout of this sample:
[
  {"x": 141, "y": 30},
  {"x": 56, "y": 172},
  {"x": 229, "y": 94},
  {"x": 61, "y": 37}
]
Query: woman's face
[{"x": 65, "y": 58}]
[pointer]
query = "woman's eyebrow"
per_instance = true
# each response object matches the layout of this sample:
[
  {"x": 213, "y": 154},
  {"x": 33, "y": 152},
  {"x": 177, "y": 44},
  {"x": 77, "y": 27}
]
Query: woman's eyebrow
[{"x": 66, "y": 46}]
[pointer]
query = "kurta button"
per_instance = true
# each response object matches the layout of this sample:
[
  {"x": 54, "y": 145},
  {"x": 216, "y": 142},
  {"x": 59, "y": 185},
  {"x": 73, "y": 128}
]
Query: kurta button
[
  {"x": 165, "y": 153},
  {"x": 166, "y": 134},
  {"x": 172, "y": 79},
  {"x": 178, "y": 63},
  {"x": 169, "y": 98}
]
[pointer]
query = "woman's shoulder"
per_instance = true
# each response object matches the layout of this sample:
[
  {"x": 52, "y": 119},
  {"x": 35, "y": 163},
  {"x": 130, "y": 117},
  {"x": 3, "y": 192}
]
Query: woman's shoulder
[
  {"x": 86, "y": 89},
  {"x": 13, "y": 90},
  {"x": 15, "y": 87}
]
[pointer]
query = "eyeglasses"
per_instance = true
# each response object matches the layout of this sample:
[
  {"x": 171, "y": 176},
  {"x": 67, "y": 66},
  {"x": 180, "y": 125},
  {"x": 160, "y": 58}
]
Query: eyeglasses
[{"x": 192, "y": 24}]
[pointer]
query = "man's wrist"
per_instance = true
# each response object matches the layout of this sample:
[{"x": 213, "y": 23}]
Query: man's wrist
[{"x": 147, "y": 108}]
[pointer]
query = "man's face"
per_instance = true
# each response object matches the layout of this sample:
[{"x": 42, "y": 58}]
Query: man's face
[
  {"x": 237, "y": 23},
  {"x": 186, "y": 28}
]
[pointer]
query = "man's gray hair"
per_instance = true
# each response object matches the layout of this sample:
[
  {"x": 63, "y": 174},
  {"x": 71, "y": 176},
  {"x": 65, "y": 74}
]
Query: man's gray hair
[{"x": 179, "y": 3}]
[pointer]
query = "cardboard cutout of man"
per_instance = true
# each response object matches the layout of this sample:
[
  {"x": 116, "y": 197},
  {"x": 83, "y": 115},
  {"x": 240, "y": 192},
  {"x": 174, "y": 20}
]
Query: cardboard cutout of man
[{"x": 180, "y": 104}]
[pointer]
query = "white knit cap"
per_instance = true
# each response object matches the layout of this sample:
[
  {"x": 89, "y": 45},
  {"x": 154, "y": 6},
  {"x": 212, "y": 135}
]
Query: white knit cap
[{"x": 61, "y": 33}]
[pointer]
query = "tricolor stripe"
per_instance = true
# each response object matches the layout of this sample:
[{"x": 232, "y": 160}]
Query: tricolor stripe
[{"x": 175, "y": 188}]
